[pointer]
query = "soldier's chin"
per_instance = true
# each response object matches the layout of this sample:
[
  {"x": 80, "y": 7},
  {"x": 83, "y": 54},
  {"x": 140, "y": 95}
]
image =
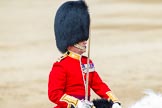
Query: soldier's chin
[{"x": 84, "y": 50}]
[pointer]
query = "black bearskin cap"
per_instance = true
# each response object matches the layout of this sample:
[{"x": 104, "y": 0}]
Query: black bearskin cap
[{"x": 71, "y": 24}]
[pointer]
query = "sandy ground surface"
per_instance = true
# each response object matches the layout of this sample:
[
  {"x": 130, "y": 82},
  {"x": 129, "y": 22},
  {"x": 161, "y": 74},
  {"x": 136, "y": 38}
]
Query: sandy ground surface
[{"x": 126, "y": 47}]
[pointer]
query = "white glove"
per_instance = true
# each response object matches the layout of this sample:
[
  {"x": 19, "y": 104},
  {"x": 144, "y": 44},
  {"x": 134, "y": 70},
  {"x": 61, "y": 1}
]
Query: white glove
[
  {"x": 84, "y": 104},
  {"x": 116, "y": 105}
]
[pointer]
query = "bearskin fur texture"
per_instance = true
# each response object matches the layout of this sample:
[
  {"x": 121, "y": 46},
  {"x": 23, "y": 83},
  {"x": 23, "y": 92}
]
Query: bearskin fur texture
[{"x": 71, "y": 24}]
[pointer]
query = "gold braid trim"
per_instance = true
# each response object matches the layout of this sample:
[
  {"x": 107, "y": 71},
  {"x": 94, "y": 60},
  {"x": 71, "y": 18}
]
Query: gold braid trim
[
  {"x": 112, "y": 96},
  {"x": 69, "y": 99},
  {"x": 74, "y": 55},
  {"x": 62, "y": 57}
]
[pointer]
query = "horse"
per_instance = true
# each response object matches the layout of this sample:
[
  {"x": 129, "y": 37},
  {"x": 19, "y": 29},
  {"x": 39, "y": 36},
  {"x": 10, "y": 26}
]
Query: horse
[
  {"x": 151, "y": 100},
  {"x": 101, "y": 103}
]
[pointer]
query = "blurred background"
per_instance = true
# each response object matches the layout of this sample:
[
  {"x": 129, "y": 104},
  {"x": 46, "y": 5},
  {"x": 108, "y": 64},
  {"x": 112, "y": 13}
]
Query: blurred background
[{"x": 126, "y": 47}]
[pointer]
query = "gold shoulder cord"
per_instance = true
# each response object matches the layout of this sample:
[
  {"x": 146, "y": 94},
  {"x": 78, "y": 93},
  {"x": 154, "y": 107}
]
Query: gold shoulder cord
[{"x": 62, "y": 57}]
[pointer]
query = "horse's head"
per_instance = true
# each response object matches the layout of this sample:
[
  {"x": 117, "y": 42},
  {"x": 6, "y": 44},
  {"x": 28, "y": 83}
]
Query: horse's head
[
  {"x": 151, "y": 100},
  {"x": 102, "y": 103}
]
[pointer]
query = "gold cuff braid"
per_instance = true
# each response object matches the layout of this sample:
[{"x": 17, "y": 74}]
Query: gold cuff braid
[
  {"x": 69, "y": 99},
  {"x": 112, "y": 96}
]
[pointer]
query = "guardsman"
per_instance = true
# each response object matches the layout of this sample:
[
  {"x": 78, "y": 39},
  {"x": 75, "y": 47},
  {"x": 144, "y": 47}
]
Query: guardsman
[{"x": 66, "y": 85}]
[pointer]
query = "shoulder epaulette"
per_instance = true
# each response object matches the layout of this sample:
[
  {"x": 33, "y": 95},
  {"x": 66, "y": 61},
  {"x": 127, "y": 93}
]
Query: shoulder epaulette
[{"x": 62, "y": 57}]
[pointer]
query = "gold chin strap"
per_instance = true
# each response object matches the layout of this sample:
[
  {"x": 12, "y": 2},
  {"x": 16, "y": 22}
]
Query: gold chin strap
[{"x": 80, "y": 47}]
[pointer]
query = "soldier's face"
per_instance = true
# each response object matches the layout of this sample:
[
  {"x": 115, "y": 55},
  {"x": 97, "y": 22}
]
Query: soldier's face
[
  {"x": 83, "y": 44},
  {"x": 80, "y": 48}
]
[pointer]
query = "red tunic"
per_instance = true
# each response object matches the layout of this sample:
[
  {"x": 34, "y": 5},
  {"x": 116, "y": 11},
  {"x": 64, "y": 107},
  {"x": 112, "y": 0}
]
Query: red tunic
[{"x": 68, "y": 77}]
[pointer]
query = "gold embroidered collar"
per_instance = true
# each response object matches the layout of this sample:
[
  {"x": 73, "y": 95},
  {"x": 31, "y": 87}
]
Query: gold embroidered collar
[{"x": 74, "y": 55}]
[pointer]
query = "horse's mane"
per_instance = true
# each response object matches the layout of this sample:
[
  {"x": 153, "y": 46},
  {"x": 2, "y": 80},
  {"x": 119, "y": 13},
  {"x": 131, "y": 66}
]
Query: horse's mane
[
  {"x": 102, "y": 103},
  {"x": 151, "y": 100}
]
